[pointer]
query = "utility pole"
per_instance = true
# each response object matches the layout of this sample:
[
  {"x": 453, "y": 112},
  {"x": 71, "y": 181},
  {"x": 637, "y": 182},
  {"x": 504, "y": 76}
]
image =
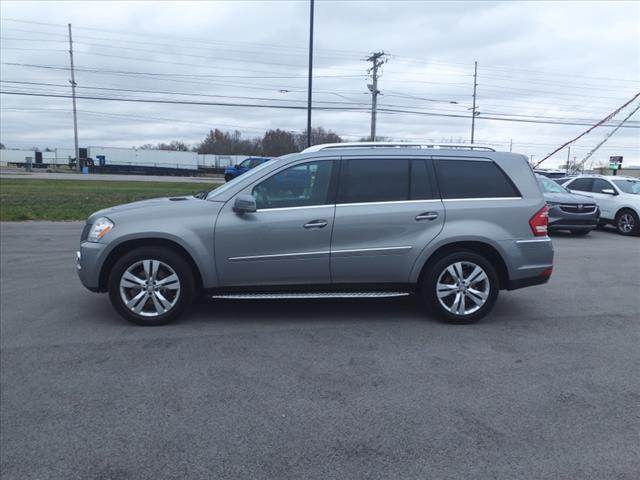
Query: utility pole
[
  {"x": 310, "y": 74},
  {"x": 73, "y": 96},
  {"x": 568, "y": 153},
  {"x": 473, "y": 109},
  {"x": 377, "y": 60},
  {"x": 510, "y": 145}
]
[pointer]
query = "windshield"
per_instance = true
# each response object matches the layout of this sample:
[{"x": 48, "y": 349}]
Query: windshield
[
  {"x": 549, "y": 186},
  {"x": 250, "y": 173},
  {"x": 628, "y": 186},
  {"x": 245, "y": 163}
]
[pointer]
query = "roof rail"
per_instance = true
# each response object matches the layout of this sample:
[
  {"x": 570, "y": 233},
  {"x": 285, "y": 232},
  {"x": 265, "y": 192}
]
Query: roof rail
[{"x": 441, "y": 146}]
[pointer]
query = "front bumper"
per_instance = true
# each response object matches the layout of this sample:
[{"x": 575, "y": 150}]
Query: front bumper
[
  {"x": 89, "y": 260},
  {"x": 561, "y": 220}
]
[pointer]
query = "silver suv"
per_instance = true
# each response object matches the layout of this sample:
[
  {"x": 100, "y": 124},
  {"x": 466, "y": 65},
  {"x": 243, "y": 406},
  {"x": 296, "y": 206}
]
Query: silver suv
[{"x": 450, "y": 224}]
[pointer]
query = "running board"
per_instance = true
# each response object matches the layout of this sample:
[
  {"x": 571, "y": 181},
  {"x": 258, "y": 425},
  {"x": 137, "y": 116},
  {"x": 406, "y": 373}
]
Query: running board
[{"x": 295, "y": 295}]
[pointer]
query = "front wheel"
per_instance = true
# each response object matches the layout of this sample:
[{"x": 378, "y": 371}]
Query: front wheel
[
  {"x": 627, "y": 222},
  {"x": 151, "y": 286},
  {"x": 461, "y": 287}
]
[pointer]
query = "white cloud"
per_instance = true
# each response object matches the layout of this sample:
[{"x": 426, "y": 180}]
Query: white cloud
[{"x": 560, "y": 60}]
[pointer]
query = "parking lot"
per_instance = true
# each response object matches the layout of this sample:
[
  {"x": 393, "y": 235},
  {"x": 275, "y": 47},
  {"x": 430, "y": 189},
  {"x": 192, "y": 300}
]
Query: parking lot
[{"x": 546, "y": 387}]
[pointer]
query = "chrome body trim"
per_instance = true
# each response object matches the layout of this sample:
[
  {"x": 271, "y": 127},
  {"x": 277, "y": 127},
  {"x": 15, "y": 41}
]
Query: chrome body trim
[
  {"x": 295, "y": 295},
  {"x": 534, "y": 240},
  {"x": 303, "y": 207},
  {"x": 376, "y": 249},
  {"x": 479, "y": 199},
  {"x": 294, "y": 255},
  {"x": 282, "y": 256},
  {"x": 393, "y": 202}
]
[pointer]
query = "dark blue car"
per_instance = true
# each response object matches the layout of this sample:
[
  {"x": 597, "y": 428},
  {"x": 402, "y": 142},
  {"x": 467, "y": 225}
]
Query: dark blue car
[{"x": 247, "y": 164}]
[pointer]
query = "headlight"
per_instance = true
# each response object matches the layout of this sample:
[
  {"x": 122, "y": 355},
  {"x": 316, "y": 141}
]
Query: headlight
[{"x": 99, "y": 229}]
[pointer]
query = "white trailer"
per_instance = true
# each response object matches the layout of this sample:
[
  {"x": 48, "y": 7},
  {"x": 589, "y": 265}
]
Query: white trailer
[{"x": 16, "y": 156}]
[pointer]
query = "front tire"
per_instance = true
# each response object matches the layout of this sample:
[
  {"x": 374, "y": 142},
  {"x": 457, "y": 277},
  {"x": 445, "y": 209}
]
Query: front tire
[
  {"x": 627, "y": 222},
  {"x": 460, "y": 288},
  {"x": 151, "y": 286}
]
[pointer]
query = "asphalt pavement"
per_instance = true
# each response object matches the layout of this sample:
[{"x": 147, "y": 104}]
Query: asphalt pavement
[{"x": 546, "y": 387}]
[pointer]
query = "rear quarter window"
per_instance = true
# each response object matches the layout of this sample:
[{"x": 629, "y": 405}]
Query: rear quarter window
[{"x": 473, "y": 179}]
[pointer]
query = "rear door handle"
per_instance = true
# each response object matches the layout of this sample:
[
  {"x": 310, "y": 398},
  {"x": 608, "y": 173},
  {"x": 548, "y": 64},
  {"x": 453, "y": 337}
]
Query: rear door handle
[
  {"x": 427, "y": 216},
  {"x": 316, "y": 224}
]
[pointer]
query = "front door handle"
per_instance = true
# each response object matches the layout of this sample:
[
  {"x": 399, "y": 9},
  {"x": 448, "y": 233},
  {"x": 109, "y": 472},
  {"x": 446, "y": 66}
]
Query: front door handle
[
  {"x": 316, "y": 224},
  {"x": 427, "y": 216}
]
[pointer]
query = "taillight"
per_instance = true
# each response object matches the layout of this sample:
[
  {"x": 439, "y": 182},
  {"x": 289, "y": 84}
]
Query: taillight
[{"x": 540, "y": 221}]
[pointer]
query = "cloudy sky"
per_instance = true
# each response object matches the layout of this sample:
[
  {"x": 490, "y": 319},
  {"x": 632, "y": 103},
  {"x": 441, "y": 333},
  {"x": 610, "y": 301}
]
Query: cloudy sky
[{"x": 546, "y": 71}]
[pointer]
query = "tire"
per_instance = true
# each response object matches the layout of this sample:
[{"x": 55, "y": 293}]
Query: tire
[
  {"x": 159, "y": 303},
  {"x": 627, "y": 222},
  {"x": 579, "y": 233},
  {"x": 228, "y": 178},
  {"x": 441, "y": 272}
]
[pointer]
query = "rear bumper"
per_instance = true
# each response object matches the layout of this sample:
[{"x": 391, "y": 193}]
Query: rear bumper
[
  {"x": 529, "y": 281},
  {"x": 529, "y": 261}
]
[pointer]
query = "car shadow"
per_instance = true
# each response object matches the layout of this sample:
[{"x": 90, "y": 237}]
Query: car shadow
[
  {"x": 308, "y": 310},
  {"x": 334, "y": 310}
]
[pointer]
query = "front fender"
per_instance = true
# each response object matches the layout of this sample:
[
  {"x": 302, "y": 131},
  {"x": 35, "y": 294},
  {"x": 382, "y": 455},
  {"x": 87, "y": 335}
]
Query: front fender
[{"x": 193, "y": 244}]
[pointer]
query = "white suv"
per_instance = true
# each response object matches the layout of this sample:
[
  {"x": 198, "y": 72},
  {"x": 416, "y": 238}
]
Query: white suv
[{"x": 617, "y": 196}]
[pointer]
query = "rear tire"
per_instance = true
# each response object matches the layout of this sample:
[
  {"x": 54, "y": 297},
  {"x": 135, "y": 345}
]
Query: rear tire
[
  {"x": 460, "y": 288},
  {"x": 228, "y": 178},
  {"x": 627, "y": 222},
  {"x": 151, "y": 286}
]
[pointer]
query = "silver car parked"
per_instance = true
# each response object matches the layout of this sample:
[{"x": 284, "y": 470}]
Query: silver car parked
[{"x": 450, "y": 224}]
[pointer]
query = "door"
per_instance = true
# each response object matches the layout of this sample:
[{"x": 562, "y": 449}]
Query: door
[
  {"x": 387, "y": 211},
  {"x": 286, "y": 241},
  {"x": 606, "y": 201}
]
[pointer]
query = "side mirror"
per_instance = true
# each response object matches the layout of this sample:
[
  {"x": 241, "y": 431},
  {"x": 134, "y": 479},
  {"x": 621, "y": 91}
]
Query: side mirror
[
  {"x": 608, "y": 191},
  {"x": 244, "y": 204}
]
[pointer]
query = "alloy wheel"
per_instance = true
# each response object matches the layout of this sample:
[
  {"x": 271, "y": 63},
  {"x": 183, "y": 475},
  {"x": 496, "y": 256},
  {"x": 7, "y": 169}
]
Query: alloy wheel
[
  {"x": 626, "y": 223},
  {"x": 149, "y": 288},
  {"x": 463, "y": 288}
]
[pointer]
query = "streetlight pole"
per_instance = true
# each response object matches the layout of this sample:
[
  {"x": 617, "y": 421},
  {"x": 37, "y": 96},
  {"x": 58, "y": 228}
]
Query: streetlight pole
[{"x": 310, "y": 73}]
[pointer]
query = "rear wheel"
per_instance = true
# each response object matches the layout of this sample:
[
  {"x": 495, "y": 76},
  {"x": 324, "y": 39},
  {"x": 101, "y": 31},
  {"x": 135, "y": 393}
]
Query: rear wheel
[
  {"x": 461, "y": 287},
  {"x": 151, "y": 286},
  {"x": 627, "y": 222},
  {"x": 228, "y": 177}
]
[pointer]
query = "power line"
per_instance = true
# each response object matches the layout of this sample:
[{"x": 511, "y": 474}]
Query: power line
[
  {"x": 290, "y": 107},
  {"x": 609, "y": 135},
  {"x": 605, "y": 119}
]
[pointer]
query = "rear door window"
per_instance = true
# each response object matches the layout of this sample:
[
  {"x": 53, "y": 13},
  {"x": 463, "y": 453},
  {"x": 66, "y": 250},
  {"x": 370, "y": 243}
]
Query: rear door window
[
  {"x": 373, "y": 180},
  {"x": 384, "y": 180},
  {"x": 421, "y": 183},
  {"x": 581, "y": 184},
  {"x": 473, "y": 179}
]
